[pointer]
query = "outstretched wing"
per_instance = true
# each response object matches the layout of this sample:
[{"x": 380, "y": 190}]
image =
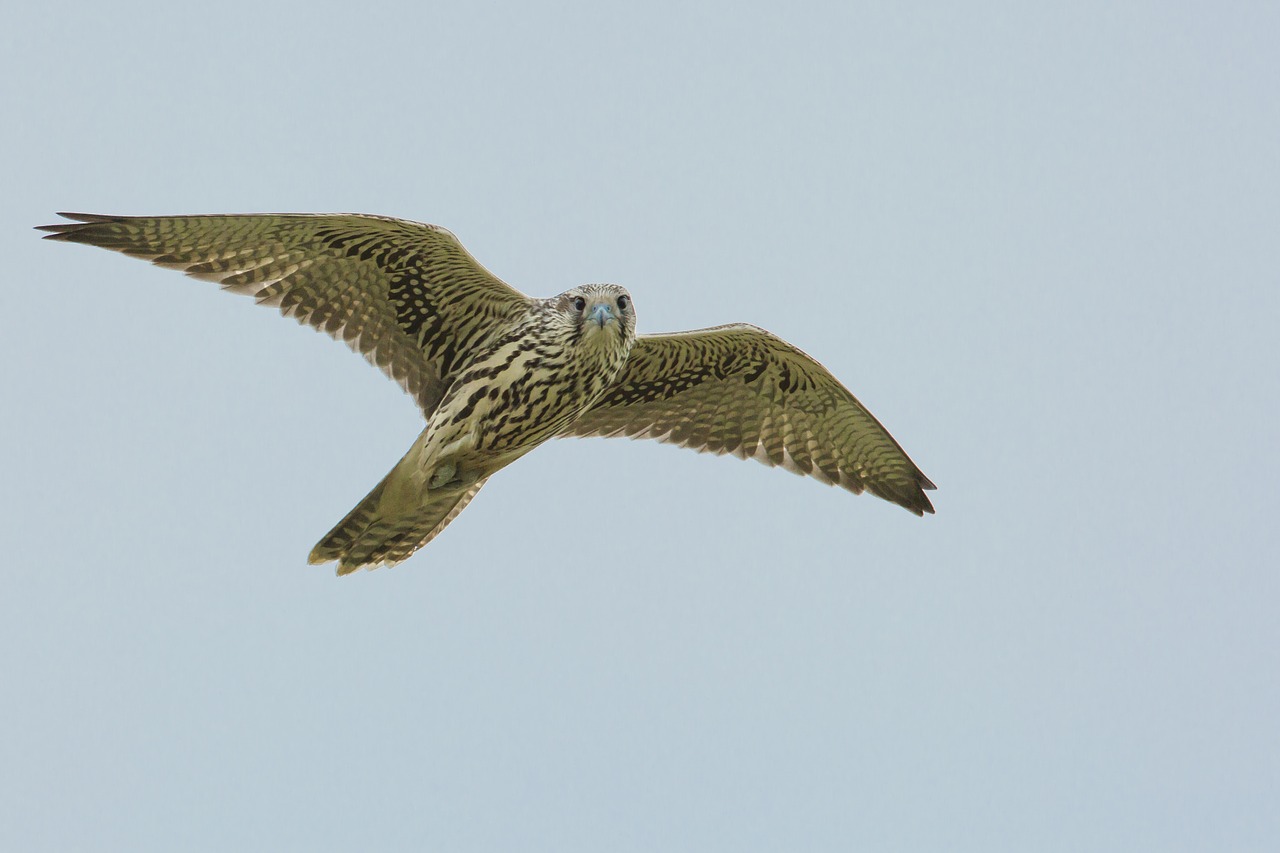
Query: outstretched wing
[
  {"x": 739, "y": 389},
  {"x": 405, "y": 295}
]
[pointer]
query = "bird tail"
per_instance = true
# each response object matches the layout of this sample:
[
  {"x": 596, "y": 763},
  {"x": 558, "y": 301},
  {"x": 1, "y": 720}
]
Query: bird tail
[{"x": 385, "y": 528}]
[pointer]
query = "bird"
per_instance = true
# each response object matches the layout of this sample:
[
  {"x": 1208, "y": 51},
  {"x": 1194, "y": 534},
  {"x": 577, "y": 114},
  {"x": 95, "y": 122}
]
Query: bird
[{"x": 497, "y": 373}]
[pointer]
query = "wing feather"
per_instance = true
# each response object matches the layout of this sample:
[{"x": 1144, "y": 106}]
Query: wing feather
[
  {"x": 406, "y": 295},
  {"x": 739, "y": 389}
]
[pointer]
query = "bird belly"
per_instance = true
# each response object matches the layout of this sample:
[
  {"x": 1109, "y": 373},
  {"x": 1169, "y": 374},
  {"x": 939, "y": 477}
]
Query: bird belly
[{"x": 508, "y": 403}]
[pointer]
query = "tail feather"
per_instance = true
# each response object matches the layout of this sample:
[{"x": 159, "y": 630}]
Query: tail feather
[{"x": 372, "y": 535}]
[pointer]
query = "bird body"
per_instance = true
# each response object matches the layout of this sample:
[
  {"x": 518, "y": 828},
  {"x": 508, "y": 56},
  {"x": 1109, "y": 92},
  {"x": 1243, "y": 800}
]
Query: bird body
[
  {"x": 524, "y": 386},
  {"x": 537, "y": 377},
  {"x": 497, "y": 373}
]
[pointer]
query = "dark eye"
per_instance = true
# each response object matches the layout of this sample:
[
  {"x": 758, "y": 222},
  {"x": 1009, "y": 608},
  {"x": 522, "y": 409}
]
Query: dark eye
[
  {"x": 622, "y": 303},
  {"x": 579, "y": 303}
]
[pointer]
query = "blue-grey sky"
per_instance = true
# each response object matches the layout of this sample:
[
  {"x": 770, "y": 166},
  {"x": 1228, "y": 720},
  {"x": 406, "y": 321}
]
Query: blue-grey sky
[{"x": 1040, "y": 244}]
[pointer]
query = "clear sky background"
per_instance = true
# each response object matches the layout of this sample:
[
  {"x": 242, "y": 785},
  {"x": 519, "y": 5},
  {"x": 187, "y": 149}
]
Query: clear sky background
[{"x": 1042, "y": 246}]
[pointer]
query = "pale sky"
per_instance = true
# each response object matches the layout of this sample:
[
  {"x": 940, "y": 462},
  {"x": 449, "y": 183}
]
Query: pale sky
[{"x": 1040, "y": 245}]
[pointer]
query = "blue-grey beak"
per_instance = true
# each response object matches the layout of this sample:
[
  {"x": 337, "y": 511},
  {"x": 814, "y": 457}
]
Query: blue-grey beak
[{"x": 602, "y": 314}]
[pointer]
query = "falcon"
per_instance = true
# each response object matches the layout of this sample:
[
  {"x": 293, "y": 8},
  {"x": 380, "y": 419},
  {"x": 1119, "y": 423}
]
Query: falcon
[{"x": 496, "y": 373}]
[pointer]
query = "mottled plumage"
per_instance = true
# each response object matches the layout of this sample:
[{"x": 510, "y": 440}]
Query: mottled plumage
[
  {"x": 496, "y": 373},
  {"x": 739, "y": 389}
]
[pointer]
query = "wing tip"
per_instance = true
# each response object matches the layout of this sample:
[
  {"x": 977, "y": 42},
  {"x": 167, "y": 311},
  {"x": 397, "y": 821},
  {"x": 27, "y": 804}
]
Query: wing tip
[
  {"x": 922, "y": 500},
  {"x": 86, "y": 217},
  {"x": 917, "y": 504},
  {"x": 915, "y": 500},
  {"x": 320, "y": 555},
  {"x": 79, "y": 221}
]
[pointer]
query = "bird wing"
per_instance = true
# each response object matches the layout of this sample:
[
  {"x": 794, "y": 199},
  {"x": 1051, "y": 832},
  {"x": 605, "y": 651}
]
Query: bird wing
[
  {"x": 405, "y": 295},
  {"x": 739, "y": 389}
]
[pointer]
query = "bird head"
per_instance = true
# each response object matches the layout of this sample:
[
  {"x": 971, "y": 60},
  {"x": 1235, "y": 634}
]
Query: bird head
[{"x": 599, "y": 314}]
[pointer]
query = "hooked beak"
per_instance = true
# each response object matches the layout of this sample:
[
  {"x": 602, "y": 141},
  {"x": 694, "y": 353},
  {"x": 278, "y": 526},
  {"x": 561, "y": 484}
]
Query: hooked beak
[{"x": 602, "y": 313}]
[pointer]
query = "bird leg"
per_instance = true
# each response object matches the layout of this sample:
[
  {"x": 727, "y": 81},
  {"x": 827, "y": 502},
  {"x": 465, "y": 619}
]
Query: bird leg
[{"x": 444, "y": 474}]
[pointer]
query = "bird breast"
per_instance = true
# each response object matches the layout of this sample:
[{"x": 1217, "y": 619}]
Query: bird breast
[{"x": 525, "y": 389}]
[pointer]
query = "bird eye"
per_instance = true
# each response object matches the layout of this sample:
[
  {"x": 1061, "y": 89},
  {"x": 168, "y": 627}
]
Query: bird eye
[
  {"x": 622, "y": 303},
  {"x": 579, "y": 303}
]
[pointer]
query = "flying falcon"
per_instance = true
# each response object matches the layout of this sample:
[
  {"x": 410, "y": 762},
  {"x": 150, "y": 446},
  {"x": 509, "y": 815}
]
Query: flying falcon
[{"x": 496, "y": 373}]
